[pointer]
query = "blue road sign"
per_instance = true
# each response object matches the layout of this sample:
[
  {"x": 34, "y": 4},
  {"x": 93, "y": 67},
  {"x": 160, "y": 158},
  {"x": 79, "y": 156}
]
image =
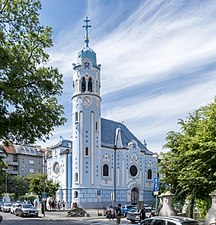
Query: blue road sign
[
  {"x": 156, "y": 188},
  {"x": 44, "y": 195},
  {"x": 156, "y": 180}
]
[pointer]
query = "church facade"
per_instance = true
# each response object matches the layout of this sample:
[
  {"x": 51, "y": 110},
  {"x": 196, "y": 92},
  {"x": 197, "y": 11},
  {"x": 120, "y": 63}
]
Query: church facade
[{"x": 104, "y": 164}]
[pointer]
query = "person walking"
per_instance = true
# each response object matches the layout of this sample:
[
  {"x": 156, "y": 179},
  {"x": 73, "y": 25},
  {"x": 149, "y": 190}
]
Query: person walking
[
  {"x": 118, "y": 214},
  {"x": 142, "y": 214}
]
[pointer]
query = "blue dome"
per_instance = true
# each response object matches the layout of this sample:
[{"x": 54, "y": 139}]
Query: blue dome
[{"x": 87, "y": 53}]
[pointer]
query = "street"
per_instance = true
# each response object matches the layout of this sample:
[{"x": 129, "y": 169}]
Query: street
[{"x": 9, "y": 219}]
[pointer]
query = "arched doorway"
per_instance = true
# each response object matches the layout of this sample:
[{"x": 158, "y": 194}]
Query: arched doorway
[{"x": 134, "y": 195}]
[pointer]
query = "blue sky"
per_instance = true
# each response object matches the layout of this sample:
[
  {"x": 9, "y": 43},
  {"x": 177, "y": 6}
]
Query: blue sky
[{"x": 158, "y": 59}]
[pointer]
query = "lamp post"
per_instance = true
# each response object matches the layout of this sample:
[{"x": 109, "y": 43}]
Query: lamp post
[
  {"x": 6, "y": 182},
  {"x": 114, "y": 175}
]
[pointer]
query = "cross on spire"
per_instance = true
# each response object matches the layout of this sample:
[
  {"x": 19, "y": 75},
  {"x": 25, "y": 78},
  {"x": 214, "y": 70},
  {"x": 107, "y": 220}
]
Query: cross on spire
[{"x": 86, "y": 29}]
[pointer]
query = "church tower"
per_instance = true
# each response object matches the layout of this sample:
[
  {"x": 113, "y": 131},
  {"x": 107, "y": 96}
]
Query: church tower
[{"x": 86, "y": 112}]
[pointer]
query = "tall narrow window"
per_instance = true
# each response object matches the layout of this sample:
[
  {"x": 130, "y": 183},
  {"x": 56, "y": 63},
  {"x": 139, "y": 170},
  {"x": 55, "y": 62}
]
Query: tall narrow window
[
  {"x": 96, "y": 126},
  {"x": 149, "y": 174},
  {"x": 76, "y": 177},
  {"x": 86, "y": 151},
  {"x": 76, "y": 117},
  {"x": 83, "y": 84},
  {"x": 105, "y": 170},
  {"x": 90, "y": 84},
  {"x": 76, "y": 194}
]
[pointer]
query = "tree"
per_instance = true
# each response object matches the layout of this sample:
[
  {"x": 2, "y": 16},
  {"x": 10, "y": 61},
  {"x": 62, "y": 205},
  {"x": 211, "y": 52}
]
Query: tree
[
  {"x": 39, "y": 183},
  {"x": 28, "y": 90},
  {"x": 190, "y": 166},
  {"x": 18, "y": 185}
]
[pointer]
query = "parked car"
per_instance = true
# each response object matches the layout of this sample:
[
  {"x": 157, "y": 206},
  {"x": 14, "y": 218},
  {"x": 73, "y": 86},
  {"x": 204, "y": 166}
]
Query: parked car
[
  {"x": 1, "y": 204},
  {"x": 126, "y": 208},
  {"x": 13, "y": 207},
  {"x": 26, "y": 210},
  {"x": 6, "y": 207},
  {"x": 172, "y": 220},
  {"x": 149, "y": 211},
  {"x": 133, "y": 215}
]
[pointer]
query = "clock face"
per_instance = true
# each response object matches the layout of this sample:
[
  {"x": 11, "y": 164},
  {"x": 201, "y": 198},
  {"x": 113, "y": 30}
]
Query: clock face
[{"x": 87, "y": 101}]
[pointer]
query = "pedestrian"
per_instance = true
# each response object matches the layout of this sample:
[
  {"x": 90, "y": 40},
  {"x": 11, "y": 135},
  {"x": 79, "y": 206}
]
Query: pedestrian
[
  {"x": 108, "y": 213},
  {"x": 118, "y": 214},
  {"x": 63, "y": 204},
  {"x": 112, "y": 212},
  {"x": 142, "y": 214},
  {"x": 59, "y": 205}
]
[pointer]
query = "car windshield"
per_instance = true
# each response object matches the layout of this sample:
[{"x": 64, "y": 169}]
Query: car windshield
[
  {"x": 133, "y": 210},
  {"x": 7, "y": 204},
  {"x": 190, "y": 223},
  {"x": 27, "y": 206},
  {"x": 148, "y": 210}
]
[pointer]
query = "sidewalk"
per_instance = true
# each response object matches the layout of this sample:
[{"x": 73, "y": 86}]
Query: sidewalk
[{"x": 62, "y": 215}]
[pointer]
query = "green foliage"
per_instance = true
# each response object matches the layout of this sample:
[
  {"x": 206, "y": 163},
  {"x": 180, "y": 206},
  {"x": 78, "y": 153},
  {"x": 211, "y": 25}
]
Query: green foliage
[
  {"x": 38, "y": 183},
  {"x": 203, "y": 206},
  {"x": 28, "y": 104},
  {"x": 189, "y": 168},
  {"x": 18, "y": 185}
]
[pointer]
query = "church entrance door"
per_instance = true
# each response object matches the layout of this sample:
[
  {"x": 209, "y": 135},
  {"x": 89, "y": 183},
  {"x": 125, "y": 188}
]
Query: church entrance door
[{"x": 134, "y": 195}]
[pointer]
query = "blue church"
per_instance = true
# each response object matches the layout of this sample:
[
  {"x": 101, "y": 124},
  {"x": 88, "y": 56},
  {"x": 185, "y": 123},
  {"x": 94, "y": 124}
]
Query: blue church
[{"x": 104, "y": 163}]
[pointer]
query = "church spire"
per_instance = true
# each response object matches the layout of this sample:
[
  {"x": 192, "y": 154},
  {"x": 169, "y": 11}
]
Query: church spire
[{"x": 86, "y": 30}]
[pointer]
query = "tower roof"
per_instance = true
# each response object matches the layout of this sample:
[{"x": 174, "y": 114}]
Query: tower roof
[{"x": 87, "y": 52}]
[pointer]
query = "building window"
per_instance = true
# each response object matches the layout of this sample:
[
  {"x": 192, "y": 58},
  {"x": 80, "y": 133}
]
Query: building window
[
  {"x": 76, "y": 117},
  {"x": 31, "y": 161},
  {"x": 83, "y": 84},
  {"x": 96, "y": 126},
  {"x": 86, "y": 151},
  {"x": 90, "y": 84},
  {"x": 105, "y": 170},
  {"x": 133, "y": 170},
  {"x": 149, "y": 174},
  {"x": 56, "y": 167},
  {"x": 14, "y": 158},
  {"x": 31, "y": 170},
  {"x": 76, "y": 177},
  {"x": 75, "y": 194}
]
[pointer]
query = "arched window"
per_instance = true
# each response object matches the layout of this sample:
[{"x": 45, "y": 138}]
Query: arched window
[
  {"x": 83, "y": 84},
  {"x": 149, "y": 174},
  {"x": 105, "y": 170},
  {"x": 76, "y": 117},
  {"x": 86, "y": 151},
  {"x": 90, "y": 84}
]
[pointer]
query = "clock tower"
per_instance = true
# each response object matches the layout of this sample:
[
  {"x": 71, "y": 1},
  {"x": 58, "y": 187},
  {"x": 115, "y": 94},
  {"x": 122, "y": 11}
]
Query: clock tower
[{"x": 86, "y": 112}]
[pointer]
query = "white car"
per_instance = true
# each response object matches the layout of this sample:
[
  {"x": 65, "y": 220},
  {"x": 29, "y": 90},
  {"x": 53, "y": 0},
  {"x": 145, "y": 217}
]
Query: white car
[
  {"x": 6, "y": 207},
  {"x": 13, "y": 207}
]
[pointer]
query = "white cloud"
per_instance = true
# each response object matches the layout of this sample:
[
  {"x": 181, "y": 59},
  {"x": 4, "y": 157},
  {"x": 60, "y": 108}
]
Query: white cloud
[{"x": 152, "y": 43}]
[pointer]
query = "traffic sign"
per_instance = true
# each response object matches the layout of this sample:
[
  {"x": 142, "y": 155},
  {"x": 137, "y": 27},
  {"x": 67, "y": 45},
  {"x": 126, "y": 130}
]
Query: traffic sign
[
  {"x": 44, "y": 196},
  {"x": 156, "y": 187}
]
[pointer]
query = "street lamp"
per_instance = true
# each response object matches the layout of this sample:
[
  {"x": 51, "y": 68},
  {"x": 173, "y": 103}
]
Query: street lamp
[
  {"x": 6, "y": 182},
  {"x": 114, "y": 175}
]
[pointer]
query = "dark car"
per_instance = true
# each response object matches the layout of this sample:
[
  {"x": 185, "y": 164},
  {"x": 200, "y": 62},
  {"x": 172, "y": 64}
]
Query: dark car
[
  {"x": 26, "y": 210},
  {"x": 172, "y": 220}
]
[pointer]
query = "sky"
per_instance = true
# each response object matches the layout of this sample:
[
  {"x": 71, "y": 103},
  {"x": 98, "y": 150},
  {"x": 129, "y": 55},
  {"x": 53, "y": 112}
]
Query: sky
[{"x": 158, "y": 60}]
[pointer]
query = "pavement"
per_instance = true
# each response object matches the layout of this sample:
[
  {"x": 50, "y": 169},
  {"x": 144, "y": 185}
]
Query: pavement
[{"x": 62, "y": 215}]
